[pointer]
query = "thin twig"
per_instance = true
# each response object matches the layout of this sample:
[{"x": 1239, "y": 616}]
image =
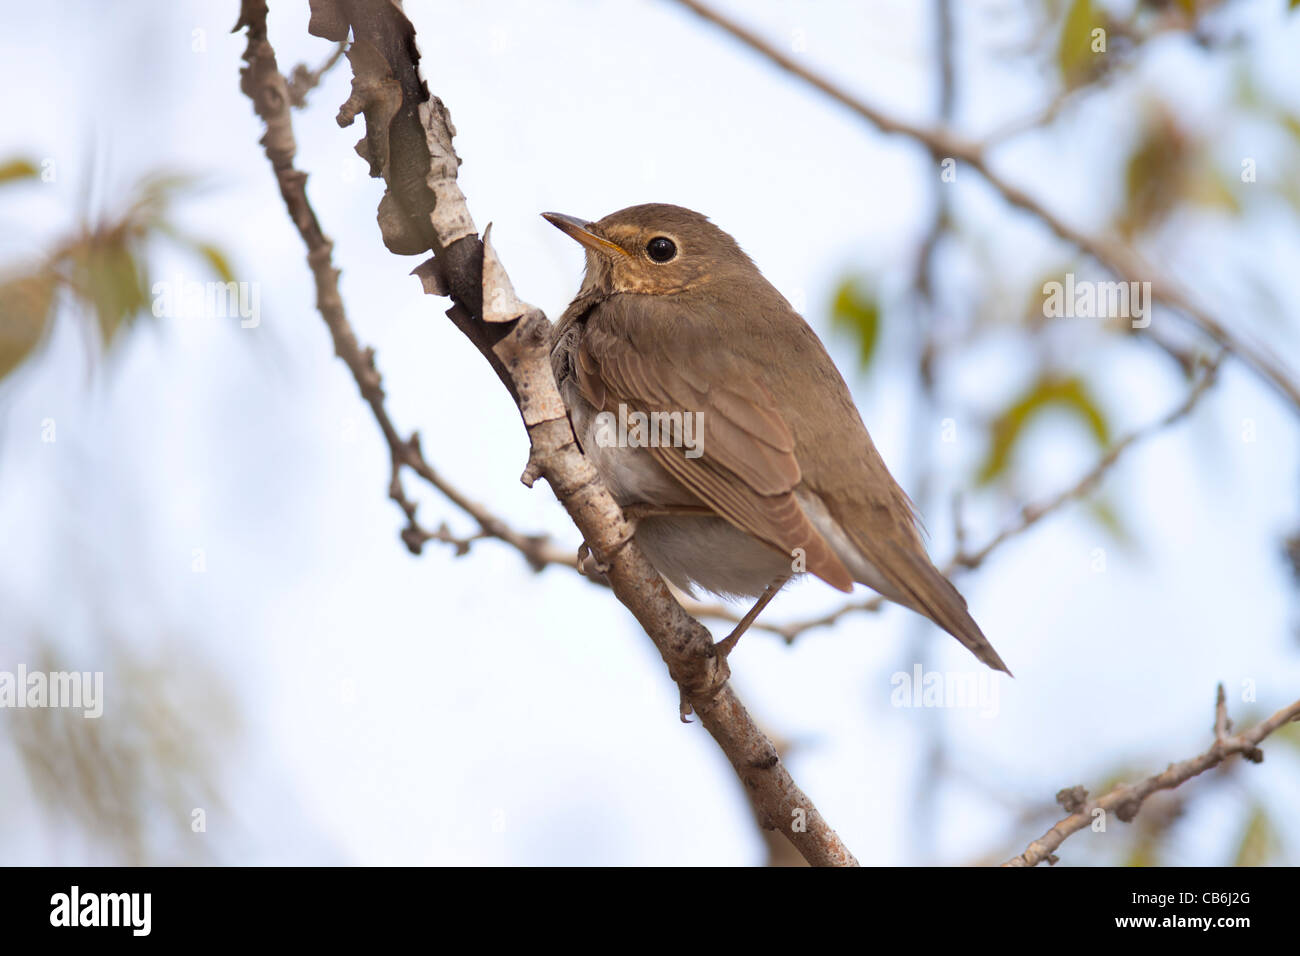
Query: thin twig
[
  {"x": 1117, "y": 257},
  {"x": 303, "y": 79},
  {"x": 1126, "y": 800},
  {"x": 1030, "y": 515}
]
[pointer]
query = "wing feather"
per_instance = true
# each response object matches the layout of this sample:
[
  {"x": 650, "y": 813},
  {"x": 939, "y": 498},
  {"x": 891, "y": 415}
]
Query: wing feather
[{"x": 747, "y": 471}]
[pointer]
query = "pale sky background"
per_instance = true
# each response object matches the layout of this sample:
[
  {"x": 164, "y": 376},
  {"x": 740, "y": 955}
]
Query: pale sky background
[{"x": 434, "y": 710}]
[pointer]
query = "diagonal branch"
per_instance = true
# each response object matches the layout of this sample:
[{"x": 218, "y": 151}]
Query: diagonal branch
[
  {"x": 408, "y": 141},
  {"x": 1117, "y": 257},
  {"x": 271, "y": 95},
  {"x": 1126, "y": 800}
]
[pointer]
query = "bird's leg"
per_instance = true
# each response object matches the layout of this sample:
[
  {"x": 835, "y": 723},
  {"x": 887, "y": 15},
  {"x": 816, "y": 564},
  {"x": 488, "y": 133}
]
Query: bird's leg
[
  {"x": 590, "y": 565},
  {"x": 728, "y": 643}
]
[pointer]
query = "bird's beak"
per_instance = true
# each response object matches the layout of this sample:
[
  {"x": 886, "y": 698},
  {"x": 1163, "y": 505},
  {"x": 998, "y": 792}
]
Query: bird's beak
[{"x": 582, "y": 232}]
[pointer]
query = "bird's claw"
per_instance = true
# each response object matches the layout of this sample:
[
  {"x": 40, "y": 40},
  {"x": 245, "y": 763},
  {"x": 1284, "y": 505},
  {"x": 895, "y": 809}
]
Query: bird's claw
[{"x": 588, "y": 564}]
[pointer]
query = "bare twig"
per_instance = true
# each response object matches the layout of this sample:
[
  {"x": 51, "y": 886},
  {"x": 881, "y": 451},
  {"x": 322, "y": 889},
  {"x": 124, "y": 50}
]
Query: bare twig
[
  {"x": 1126, "y": 800},
  {"x": 303, "y": 79},
  {"x": 1030, "y": 515},
  {"x": 408, "y": 142},
  {"x": 1115, "y": 256}
]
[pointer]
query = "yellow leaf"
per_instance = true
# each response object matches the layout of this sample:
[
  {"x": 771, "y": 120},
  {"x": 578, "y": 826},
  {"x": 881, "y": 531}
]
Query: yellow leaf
[
  {"x": 1068, "y": 394},
  {"x": 15, "y": 169},
  {"x": 1258, "y": 840},
  {"x": 857, "y": 313},
  {"x": 1075, "y": 55},
  {"x": 25, "y": 303},
  {"x": 217, "y": 260},
  {"x": 106, "y": 276},
  {"x": 1209, "y": 187}
]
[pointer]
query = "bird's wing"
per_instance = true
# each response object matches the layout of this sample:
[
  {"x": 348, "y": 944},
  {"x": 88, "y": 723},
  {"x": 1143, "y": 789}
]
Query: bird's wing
[
  {"x": 841, "y": 464},
  {"x": 746, "y": 470}
]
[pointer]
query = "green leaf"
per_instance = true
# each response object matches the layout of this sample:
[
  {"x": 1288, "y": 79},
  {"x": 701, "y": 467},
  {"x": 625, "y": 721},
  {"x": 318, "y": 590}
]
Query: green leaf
[
  {"x": 858, "y": 313},
  {"x": 1068, "y": 394},
  {"x": 25, "y": 307},
  {"x": 15, "y": 169}
]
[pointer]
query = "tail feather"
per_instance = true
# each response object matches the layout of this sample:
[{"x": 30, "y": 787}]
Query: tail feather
[{"x": 925, "y": 590}]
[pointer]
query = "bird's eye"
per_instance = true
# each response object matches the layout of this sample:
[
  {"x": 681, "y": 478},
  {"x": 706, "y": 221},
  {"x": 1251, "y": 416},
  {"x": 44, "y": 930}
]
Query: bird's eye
[{"x": 660, "y": 249}]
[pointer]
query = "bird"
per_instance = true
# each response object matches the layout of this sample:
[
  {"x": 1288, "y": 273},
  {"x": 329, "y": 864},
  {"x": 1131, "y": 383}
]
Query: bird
[{"x": 765, "y": 470}]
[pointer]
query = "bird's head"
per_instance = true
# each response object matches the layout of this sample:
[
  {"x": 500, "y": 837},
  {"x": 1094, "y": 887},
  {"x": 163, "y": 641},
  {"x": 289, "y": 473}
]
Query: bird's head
[{"x": 653, "y": 249}]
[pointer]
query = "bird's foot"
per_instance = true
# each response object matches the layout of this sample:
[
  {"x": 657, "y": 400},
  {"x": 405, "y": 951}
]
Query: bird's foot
[
  {"x": 588, "y": 564},
  {"x": 718, "y": 673}
]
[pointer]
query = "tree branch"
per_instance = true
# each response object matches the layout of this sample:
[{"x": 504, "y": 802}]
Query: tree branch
[
  {"x": 1126, "y": 800},
  {"x": 262, "y": 82},
  {"x": 1120, "y": 259},
  {"x": 408, "y": 141}
]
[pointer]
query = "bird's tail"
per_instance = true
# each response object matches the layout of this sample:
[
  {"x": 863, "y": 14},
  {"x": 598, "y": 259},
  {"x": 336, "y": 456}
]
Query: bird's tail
[{"x": 925, "y": 590}]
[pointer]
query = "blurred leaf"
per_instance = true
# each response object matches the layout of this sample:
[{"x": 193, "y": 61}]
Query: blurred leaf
[
  {"x": 210, "y": 253},
  {"x": 1154, "y": 174},
  {"x": 15, "y": 169},
  {"x": 1142, "y": 853},
  {"x": 153, "y": 199},
  {"x": 25, "y": 303},
  {"x": 1074, "y": 55},
  {"x": 217, "y": 260},
  {"x": 1104, "y": 513},
  {"x": 1167, "y": 169},
  {"x": 104, "y": 266},
  {"x": 105, "y": 274},
  {"x": 857, "y": 313},
  {"x": 1288, "y": 734},
  {"x": 1259, "y": 841},
  {"x": 1210, "y": 187},
  {"x": 1068, "y": 394},
  {"x": 1035, "y": 303},
  {"x": 1290, "y": 122}
]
